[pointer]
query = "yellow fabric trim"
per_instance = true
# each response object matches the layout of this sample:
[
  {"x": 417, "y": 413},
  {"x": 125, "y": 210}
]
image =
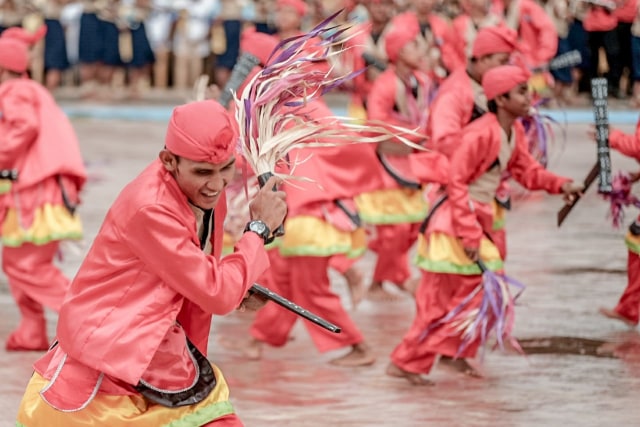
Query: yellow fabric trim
[
  {"x": 392, "y": 206},
  {"x": 357, "y": 112},
  {"x": 311, "y": 236},
  {"x": 50, "y": 222},
  {"x": 122, "y": 411},
  {"x": 499, "y": 216},
  {"x": 442, "y": 253},
  {"x": 633, "y": 243}
]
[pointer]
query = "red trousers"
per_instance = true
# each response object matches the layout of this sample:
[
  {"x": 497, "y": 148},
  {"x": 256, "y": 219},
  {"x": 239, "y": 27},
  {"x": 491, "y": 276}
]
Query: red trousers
[
  {"x": 342, "y": 263},
  {"x": 629, "y": 304},
  {"x": 436, "y": 296},
  {"x": 499, "y": 238},
  {"x": 305, "y": 281},
  {"x": 392, "y": 245},
  {"x": 34, "y": 282}
]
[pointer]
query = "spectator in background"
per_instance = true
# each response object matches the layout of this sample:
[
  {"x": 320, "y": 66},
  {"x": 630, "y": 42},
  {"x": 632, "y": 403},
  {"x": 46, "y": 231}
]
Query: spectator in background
[
  {"x": 55, "y": 47},
  {"x": 558, "y": 10},
  {"x": 626, "y": 12}
]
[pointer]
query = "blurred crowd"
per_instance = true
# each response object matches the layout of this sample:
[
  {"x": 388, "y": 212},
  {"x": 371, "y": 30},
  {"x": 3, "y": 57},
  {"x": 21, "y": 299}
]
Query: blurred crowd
[{"x": 137, "y": 44}]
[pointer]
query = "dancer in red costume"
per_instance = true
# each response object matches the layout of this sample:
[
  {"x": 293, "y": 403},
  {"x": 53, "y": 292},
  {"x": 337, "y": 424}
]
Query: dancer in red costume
[
  {"x": 460, "y": 230},
  {"x": 461, "y": 100},
  {"x": 38, "y": 212},
  {"x": 628, "y": 308},
  {"x": 148, "y": 288},
  {"x": 399, "y": 97}
]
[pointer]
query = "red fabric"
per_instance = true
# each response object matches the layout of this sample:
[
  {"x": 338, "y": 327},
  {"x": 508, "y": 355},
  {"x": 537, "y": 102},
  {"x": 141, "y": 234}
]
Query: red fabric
[
  {"x": 14, "y": 47},
  {"x": 493, "y": 40},
  {"x": 227, "y": 421},
  {"x": 392, "y": 244},
  {"x": 629, "y": 304},
  {"x": 538, "y": 36},
  {"x": 202, "y": 131},
  {"x": 341, "y": 263},
  {"x": 436, "y": 296},
  {"x": 500, "y": 80},
  {"x": 599, "y": 19},
  {"x": 626, "y": 11},
  {"x": 149, "y": 238},
  {"x": 478, "y": 149},
  {"x": 260, "y": 45},
  {"x": 36, "y": 137},
  {"x": 627, "y": 144},
  {"x": 450, "y": 112},
  {"x": 298, "y": 5},
  {"x": 34, "y": 282},
  {"x": 305, "y": 281},
  {"x": 401, "y": 34}
]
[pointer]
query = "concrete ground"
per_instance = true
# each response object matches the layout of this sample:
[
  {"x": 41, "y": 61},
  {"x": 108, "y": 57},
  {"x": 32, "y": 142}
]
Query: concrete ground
[{"x": 569, "y": 273}]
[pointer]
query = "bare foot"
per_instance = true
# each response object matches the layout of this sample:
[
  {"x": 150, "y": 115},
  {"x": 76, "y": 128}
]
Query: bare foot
[
  {"x": 251, "y": 349},
  {"x": 377, "y": 292},
  {"x": 612, "y": 314},
  {"x": 394, "y": 370},
  {"x": 465, "y": 366},
  {"x": 360, "y": 355},
  {"x": 356, "y": 286}
]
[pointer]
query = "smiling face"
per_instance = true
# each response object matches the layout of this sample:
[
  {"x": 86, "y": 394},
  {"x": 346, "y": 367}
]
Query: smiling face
[{"x": 201, "y": 182}]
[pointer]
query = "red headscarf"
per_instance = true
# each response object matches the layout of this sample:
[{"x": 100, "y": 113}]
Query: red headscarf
[
  {"x": 14, "y": 48},
  {"x": 493, "y": 40},
  {"x": 203, "y": 132},
  {"x": 404, "y": 29},
  {"x": 500, "y": 80},
  {"x": 299, "y": 6},
  {"x": 258, "y": 44}
]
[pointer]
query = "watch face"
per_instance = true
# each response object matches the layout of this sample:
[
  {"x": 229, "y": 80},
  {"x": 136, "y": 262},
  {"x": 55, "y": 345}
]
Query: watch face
[{"x": 258, "y": 227}]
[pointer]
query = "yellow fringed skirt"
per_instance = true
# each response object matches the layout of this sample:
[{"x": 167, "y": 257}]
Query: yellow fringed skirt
[
  {"x": 441, "y": 253},
  {"x": 310, "y": 236},
  {"x": 50, "y": 222},
  {"x": 392, "y": 206},
  {"x": 122, "y": 411}
]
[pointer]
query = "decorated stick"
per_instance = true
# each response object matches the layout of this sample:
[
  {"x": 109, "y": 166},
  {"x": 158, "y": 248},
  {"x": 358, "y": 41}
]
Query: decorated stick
[
  {"x": 295, "y": 308},
  {"x": 602, "y": 168},
  {"x": 599, "y": 94},
  {"x": 565, "y": 60},
  {"x": 245, "y": 63}
]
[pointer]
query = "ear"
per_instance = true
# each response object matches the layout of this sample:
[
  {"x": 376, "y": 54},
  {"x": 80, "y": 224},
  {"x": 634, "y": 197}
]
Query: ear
[
  {"x": 169, "y": 160},
  {"x": 500, "y": 101}
]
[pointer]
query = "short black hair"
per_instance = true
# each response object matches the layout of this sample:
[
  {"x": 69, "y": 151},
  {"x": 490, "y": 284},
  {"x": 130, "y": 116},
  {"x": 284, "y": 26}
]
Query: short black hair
[{"x": 492, "y": 105}]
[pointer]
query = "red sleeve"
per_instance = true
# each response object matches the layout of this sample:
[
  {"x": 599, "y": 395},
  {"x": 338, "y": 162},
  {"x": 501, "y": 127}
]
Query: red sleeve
[
  {"x": 629, "y": 145},
  {"x": 19, "y": 125},
  {"x": 528, "y": 172},
  {"x": 466, "y": 160},
  {"x": 446, "y": 119},
  {"x": 163, "y": 244},
  {"x": 450, "y": 50},
  {"x": 546, "y": 45},
  {"x": 429, "y": 167}
]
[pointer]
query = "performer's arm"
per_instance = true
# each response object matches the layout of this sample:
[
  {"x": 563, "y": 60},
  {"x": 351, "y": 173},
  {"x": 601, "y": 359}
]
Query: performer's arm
[
  {"x": 446, "y": 118},
  {"x": 19, "y": 126},
  {"x": 159, "y": 239},
  {"x": 546, "y": 45},
  {"x": 629, "y": 145},
  {"x": 528, "y": 172},
  {"x": 464, "y": 163}
]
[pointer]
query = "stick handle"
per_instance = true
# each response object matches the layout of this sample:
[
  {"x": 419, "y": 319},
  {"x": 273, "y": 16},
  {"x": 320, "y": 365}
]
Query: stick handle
[
  {"x": 566, "y": 209},
  {"x": 295, "y": 308},
  {"x": 262, "y": 180}
]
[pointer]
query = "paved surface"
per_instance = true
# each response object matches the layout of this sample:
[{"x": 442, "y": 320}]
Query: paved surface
[{"x": 569, "y": 273}]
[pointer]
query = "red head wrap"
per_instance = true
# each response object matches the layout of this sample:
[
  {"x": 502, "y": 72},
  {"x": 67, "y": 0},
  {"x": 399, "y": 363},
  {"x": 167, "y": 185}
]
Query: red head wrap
[
  {"x": 298, "y": 5},
  {"x": 500, "y": 80},
  {"x": 493, "y": 40},
  {"x": 14, "y": 48},
  {"x": 203, "y": 132}
]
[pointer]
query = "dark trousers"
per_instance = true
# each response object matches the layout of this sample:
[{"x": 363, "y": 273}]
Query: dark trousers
[{"x": 609, "y": 41}]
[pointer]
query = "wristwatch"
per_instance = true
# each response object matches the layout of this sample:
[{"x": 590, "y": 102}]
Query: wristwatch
[{"x": 260, "y": 228}]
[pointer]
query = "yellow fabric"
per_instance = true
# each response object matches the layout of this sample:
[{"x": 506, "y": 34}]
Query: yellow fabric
[
  {"x": 393, "y": 206},
  {"x": 633, "y": 243},
  {"x": 442, "y": 253},
  {"x": 5, "y": 186},
  {"x": 499, "y": 216},
  {"x": 121, "y": 411},
  {"x": 356, "y": 111},
  {"x": 311, "y": 236},
  {"x": 228, "y": 242},
  {"x": 50, "y": 222}
]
